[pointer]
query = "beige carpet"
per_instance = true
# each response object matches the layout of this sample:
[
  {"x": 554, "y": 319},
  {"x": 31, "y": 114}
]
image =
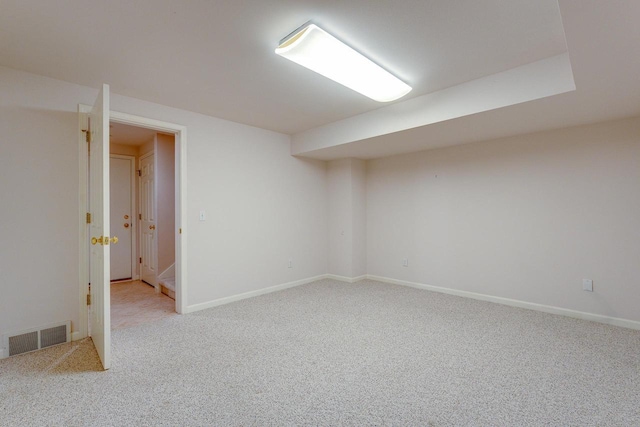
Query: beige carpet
[{"x": 331, "y": 353}]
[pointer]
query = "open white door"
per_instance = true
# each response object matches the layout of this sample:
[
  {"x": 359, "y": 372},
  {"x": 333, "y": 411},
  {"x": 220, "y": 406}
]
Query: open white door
[{"x": 100, "y": 316}]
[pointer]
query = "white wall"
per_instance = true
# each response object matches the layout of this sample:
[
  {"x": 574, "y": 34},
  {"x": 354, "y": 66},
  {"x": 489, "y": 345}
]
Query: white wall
[
  {"x": 359, "y": 217},
  {"x": 38, "y": 201},
  {"x": 346, "y": 196},
  {"x": 340, "y": 217},
  {"x": 147, "y": 147},
  {"x": 525, "y": 218},
  {"x": 263, "y": 205},
  {"x": 126, "y": 150}
]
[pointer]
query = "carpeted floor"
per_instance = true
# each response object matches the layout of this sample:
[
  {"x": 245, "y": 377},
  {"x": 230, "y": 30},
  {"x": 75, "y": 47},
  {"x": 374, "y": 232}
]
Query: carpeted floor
[{"x": 331, "y": 353}]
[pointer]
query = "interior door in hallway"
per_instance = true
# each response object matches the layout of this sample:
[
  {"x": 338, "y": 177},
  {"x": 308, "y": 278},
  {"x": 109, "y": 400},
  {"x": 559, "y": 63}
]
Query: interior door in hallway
[
  {"x": 121, "y": 216},
  {"x": 148, "y": 243}
]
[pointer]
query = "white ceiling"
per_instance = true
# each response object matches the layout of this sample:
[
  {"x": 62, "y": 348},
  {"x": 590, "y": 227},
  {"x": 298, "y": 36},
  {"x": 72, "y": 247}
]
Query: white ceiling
[
  {"x": 129, "y": 135},
  {"x": 216, "y": 58}
]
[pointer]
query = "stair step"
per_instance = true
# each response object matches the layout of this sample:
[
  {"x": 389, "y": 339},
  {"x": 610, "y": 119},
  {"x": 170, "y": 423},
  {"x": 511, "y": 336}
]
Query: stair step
[{"x": 169, "y": 283}]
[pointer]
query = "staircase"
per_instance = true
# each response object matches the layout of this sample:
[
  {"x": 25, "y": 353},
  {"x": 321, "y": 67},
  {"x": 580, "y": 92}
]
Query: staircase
[{"x": 168, "y": 287}]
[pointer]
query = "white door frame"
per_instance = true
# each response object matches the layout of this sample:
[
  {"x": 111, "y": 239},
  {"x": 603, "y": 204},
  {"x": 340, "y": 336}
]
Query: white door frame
[
  {"x": 180, "y": 133},
  {"x": 134, "y": 211}
]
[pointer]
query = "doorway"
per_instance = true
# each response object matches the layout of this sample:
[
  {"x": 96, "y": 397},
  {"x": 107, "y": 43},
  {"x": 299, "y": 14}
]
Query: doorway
[
  {"x": 178, "y": 229},
  {"x": 142, "y": 287}
]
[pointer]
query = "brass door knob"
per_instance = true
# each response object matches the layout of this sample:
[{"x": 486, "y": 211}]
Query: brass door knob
[
  {"x": 152, "y": 227},
  {"x": 108, "y": 240},
  {"x": 126, "y": 225},
  {"x": 104, "y": 240}
]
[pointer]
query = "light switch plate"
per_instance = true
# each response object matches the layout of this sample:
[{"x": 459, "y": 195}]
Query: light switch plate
[{"x": 587, "y": 285}]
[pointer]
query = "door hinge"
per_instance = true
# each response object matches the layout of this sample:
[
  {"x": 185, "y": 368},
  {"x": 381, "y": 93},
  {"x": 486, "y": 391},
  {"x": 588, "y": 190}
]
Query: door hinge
[
  {"x": 139, "y": 216},
  {"x": 88, "y": 299},
  {"x": 140, "y": 260},
  {"x": 139, "y": 172},
  {"x": 88, "y": 217}
]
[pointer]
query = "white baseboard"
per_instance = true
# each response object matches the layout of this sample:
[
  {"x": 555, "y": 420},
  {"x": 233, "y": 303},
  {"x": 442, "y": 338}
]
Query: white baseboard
[
  {"x": 2, "y": 354},
  {"x": 251, "y": 294},
  {"x": 616, "y": 321},
  {"x": 345, "y": 278}
]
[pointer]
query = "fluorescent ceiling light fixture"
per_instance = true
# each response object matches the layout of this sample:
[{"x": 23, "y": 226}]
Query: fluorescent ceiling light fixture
[{"x": 317, "y": 50}]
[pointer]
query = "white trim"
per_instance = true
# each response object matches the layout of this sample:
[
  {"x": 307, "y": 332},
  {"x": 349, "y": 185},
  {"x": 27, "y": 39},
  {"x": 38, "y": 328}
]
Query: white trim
[
  {"x": 251, "y": 294},
  {"x": 169, "y": 272},
  {"x": 2, "y": 356},
  {"x": 180, "y": 133},
  {"x": 181, "y": 220},
  {"x": 615, "y": 321},
  {"x": 75, "y": 336},
  {"x": 345, "y": 278},
  {"x": 134, "y": 210}
]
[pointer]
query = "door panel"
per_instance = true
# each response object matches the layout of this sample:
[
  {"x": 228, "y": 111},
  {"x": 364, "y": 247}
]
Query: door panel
[
  {"x": 100, "y": 318},
  {"x": 148, "y": 221},
  {"x": 121, "y": 217}
]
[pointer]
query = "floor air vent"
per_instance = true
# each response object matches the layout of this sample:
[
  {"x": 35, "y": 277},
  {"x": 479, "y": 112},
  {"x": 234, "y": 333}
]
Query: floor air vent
[
  {"x": 23, "y": 343},
  {"x": 37, "y": 338}
]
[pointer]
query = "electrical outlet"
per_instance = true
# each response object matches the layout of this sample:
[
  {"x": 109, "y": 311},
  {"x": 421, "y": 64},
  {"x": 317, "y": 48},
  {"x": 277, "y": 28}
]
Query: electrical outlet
[
  {"x": 405, "y": 262},
  {"x": 587, "y": 285},
  {"x": 203, "y": 215},
  {"x": 290, "y": 264}
]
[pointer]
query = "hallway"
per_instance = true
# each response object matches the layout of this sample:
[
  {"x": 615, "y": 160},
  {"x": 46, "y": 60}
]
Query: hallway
[{"x": 135, "y": 303}]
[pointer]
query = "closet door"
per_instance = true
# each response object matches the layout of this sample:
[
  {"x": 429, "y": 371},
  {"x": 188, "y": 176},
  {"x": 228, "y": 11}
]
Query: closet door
[
  {"x": 148, "y": 241},
  {"x": 121, "y": 168}
]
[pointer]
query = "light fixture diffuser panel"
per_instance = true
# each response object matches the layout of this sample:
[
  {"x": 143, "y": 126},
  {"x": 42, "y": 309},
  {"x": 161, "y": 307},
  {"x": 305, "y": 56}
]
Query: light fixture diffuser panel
[{"x": 317, "y": 50}]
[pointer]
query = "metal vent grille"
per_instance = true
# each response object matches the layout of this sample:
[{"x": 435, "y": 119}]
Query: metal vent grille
[
  {"x": 53, "y": 336},
  {"x": 35, "y": 339},
  {"x": 23, "y": 343}
]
